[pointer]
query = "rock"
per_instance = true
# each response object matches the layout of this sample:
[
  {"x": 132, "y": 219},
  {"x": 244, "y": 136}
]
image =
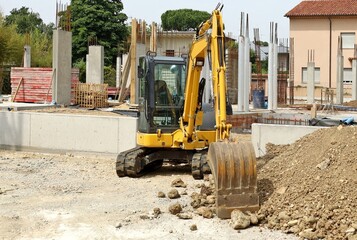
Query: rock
[
  {"x": 205, "y": 212},
  {"x": 239, "y": 220},
  {"x": 196, "y": 203},
  {"x": 311, "y": 220},
  {"x": 157, "y": 212},
  {"x": 294, "y": 229},
  {"x": 283, "y": 216},
  {"x": 178, "y": 183},
  {"x": 308, "y": 234},
  {"x": 354, "y": 225},
  {"x": 184, "y": 192},
  {"x": 118, "y": 225},
  {"x": 175, "y": 208},
  {"x": 211, "y": 199},
  {"x": 281, "y": 190},
  {"x": 253, "y": 219},
  {"x": 144, "y": 216},
  {"x": 193, "y": 227},
  {"x": 206, "y": 190},
  {"x": 339, "y": 128},
  {"x": 350, "y": 230},
  {"x": 173, "y": 194},
  {"x": 184, "y": 216},
  {"x": 293, "y": 223},
  {"x": 352, "y": 237},
  {"x": 161, "y": 195},
  {"x": 323, "y": 165}
]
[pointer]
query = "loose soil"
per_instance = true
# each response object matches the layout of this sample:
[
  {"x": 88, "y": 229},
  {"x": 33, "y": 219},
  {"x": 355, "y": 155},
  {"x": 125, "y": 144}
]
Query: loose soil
[{"x": 309, "y": 188}]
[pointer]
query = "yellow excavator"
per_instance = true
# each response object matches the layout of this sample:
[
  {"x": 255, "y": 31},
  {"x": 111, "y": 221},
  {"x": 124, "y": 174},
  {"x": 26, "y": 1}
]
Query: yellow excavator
[{"x": 175, "y": 126}]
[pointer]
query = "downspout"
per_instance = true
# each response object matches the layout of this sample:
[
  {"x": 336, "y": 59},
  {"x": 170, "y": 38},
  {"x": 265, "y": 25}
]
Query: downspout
[{"x": 330, "y": 58}]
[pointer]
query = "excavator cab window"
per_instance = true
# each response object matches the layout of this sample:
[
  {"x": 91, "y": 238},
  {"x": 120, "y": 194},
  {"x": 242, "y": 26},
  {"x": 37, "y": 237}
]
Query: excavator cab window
[{"x": 169, "y": 86}]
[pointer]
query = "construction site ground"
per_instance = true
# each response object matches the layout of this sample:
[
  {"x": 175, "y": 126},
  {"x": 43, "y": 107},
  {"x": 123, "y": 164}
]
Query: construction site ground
[
  {"x": 307, "y": 190},
  {"x": 79, "y": 196}
]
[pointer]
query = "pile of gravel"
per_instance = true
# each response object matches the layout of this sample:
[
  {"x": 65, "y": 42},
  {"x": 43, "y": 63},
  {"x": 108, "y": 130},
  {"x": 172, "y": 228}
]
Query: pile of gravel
[{"x": 310, "y": 187}]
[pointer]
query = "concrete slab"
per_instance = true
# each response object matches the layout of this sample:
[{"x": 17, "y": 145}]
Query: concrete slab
[
  {"x": 14, "y": 106},
  {"x": 67, "y": 132}
]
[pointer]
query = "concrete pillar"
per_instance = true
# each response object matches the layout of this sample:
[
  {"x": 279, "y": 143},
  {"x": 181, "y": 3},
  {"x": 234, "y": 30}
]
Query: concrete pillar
[
  {"x": 354, "y": 79},
  {"x": 246, "y": 74},
  {"x": 118, "y": 72},
  {"x": 62, "y": 67},
  {"x": 310, "y": 82},
  {"x": 270, "y": 77},
  {"x": 241, "y": 74},
  {"x": 95, "y": 72},
  {"x": 275, "y": 75},
  {"x": 87, "y": 68},
  {"x": 339, "y": 80},
  {"x": 27, "y": 56},
  {"x": 206, "y": 73}
]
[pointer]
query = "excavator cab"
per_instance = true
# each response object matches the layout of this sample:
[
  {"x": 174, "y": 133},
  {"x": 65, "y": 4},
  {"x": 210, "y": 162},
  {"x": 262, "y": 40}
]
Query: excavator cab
[{"x": 161, "y": 95}]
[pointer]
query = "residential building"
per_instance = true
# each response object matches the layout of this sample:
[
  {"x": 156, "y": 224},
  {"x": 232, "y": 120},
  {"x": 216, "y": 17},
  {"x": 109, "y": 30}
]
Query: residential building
[{"x": 317, "y": 25}]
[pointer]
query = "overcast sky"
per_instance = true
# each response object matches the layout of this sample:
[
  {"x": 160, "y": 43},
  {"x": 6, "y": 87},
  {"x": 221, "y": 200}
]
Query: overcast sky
[{"x": 261, "y": 12}]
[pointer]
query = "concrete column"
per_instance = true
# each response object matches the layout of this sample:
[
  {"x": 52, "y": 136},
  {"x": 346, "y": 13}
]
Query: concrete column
[
  {"x": 339, "y": 80},
  {"x": 241, "y": 74},
  {"x": 95, "y": 72},
  {"x": 354, "y": 79},
  {"x": 118, "y": 72},
  {"x": 246, "y": 73},
  {"x": 206, "y": 73},
  {"x": 62, "y": 67},
  {"x": 275, "y": 75},
  {"x": 27, "y": 56},
  {"x": 270, "y": 77},
  {"x": 87, "y": 69},
  {"x": 310, "y": 82}
]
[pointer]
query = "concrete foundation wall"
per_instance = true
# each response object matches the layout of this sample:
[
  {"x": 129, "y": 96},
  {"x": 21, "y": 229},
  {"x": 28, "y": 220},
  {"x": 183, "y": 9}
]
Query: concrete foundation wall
[
  {"x": 277, "y": 134},
  {"x": 67, "y": 132}
]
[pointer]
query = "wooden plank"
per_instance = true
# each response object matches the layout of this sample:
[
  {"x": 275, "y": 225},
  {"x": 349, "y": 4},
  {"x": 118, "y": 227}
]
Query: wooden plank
[
  {"x": 124, "y": 79},
  {"x": 133, "y": 61},
  {"x": 17, "y": 89}
]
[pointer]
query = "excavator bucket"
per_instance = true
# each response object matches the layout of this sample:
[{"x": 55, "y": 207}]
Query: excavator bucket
[{"x": 233, "y": 166}]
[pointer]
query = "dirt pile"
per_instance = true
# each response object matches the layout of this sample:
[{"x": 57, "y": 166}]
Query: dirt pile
[{"x": 309, "y": 188}]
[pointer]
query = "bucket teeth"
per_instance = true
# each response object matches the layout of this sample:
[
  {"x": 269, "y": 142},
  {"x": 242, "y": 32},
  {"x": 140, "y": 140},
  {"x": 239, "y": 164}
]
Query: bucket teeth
[{"x": 233, "y": 166}]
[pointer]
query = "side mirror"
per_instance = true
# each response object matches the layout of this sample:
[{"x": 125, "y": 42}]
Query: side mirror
[{"x": 140, "y": 72}]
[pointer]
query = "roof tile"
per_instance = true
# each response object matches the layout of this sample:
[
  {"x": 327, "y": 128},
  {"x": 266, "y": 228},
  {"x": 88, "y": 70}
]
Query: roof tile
[{"x": 310, "y": 8}]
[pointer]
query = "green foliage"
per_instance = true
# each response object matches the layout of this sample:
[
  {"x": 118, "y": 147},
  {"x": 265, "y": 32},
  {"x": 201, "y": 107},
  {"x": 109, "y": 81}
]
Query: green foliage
[
  {"x": 101, "y": 20},
  {"x": 41, "y": 49},
  {"x": 24, "y": 20},
  {"x": 81, "y": 65},
  {"x": 109, "y": 76},
  {"x": 183, "y": 19}
]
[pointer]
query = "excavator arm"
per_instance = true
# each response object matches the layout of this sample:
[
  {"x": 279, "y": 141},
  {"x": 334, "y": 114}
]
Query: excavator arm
[
  {"x": 233, "y": 165},
  {"x": 211, "y": 45}
]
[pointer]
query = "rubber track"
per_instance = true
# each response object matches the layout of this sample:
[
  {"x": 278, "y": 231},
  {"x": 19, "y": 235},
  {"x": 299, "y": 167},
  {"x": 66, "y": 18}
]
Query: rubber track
[{"x": 125, "y": 164}]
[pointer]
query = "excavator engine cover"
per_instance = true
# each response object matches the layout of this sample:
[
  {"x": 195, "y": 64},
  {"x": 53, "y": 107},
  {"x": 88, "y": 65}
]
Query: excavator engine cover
[{"x": 233, "y": 166}]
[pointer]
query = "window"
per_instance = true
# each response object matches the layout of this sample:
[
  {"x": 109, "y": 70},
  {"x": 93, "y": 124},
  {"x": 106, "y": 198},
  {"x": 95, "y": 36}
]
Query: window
[
  {"x": 304, "y": 75},
  {"x": 348, "y": 40},
  {"x": 347, "y": 76}
]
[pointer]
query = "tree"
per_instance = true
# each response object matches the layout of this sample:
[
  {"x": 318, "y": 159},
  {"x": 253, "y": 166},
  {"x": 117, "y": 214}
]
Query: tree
[
  {"x": 99, "y": 20},
  {"x": 183, "y": 19},
  {"x": 24, "y": 20}
]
